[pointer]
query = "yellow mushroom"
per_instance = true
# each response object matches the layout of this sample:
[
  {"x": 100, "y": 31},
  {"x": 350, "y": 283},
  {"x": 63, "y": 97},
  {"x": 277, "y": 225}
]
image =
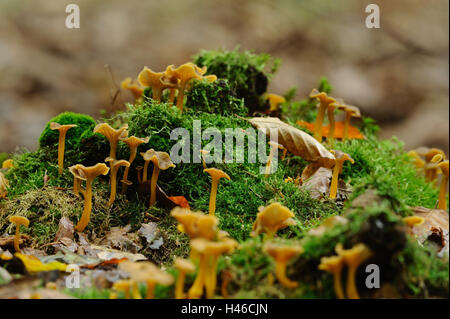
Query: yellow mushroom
[
  {"x": 171, "y": 80},
  {"x": 114, "y": 165},
  {"x": 9, "y": 163},
  {"x": 196, "y": 224},
  {"x": 418, "y": 161},
  {"x": 62, "y": 141},
  {"x": 431, "y": 169},
  {"x": 88, "y": 174},
  {"x": 274, "y": 101},
  {"x": 350, "y": 111},
  {"x": 412, "y": 221},
  {"x": 184, "y": 267},
  {"x": 273, "y": 147},
  {"x": 272, "y": 218},
  {"x": 198, "y": 246},
  {"x": 353, "y": 258},
  {"x": 204, "y": 153},
  {"x": 112, "y": 135},
  {"x": 133, "y": 143},
  {"x": 184, "y": 74},
  {"x": 216, "y": 175},
  {"x": 76, "y": 181},
  {"x": 341, "y": 157},
  {"x": 149, "y": 78},
  {"x": 121, "y": 286},
  {"x": 161, "y": 161},
  {"x": 18, "y": 221},
  {"x": 443, "y": 188},
  {"x": 334, "y": 265},
  {"x": 282, "y": 255},
  {"x": 325, "y": 101},
  {"x": 133, "y": 87}
]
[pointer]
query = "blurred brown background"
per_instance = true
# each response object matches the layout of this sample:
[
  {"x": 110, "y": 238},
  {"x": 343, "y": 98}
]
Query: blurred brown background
[{"x": 397, "y": 74}]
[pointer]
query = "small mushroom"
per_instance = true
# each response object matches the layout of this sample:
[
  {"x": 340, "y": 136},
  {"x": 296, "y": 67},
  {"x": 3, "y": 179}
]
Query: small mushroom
[
  {"x": 184, "y": 267},
  {"x": 353, "y": 258},
  {"x": 184, "y": 74},
  {"x": 350, "y": 111},
  {"x": 133, "y": 87},
  {"x": 138, "y": 173},
  {"x": 161, "y": 161},
  {"x": 334, "y": 265},
  {"x": 18, "y": 221},
  {"x": 114, "y": 165},
  {"x": 341, "y": 157},
  {"x": 431, "y": 169},
  {"x": 216, "y": 175},
  {"x": 76, "y": 181},
  {"x": 443, "y": 188},
  {"x": 9, "y": 163},
  {"x": 412, "y": 221},
  {"x": 198, "y": 247},
  {"x": 133, "y": 143},
  {"x": 204, "y": 153},
  {"x": 196, "y": 224},
  {"x": 149, "y": 78},
  {"x": 274, "y": 101},
  {"x": 325, "y": 101},
  {"x": 272, "y": 218},
  {"x": 88, "y": 174},
  {"x": 418, "y": 161},
  {"x": 62, "y": 141},
  {"x": 282, "y": 255},
  {"x": 121, "y": 286},
  {"x": 112, "y": 135},
  {"x": 273, "y": 147}
]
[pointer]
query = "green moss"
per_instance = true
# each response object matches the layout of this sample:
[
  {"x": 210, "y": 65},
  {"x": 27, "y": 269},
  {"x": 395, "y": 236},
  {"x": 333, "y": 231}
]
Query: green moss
[
  {"x": 247, "y": 73},
  {"x": 3, "y": 157}
]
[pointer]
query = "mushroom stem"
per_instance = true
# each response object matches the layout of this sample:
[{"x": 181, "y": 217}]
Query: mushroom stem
[
  {"x": 17, "y": 239},
  {"x": 156, "y": 95},
  {"x": 144, "y": 173},
  {"x": 113, "y": 185},
  {"x": 180, "y": 97},
  {"x": 155, "y": 175},
  {"x": 338, "y": 290},
  {"x": 127, "y": 169},
  {"x": 211, "y": 278},
  {"x": 352, "y": 291},
  {"x": 332, "y": 124},
  {"x": 334, "y": 179},
  {"x": 348, "y": 116},
  {"x": 135, "y": 291},
  {"x": 196, "y": 290},
  {"x": 212, "y": 196},
  {"x": 138, "y": 172},
  {"x": 76, "y": 185},
  {"x": 280, "y": 272},
  {"x": 179, "y": 286},
  {"x": 443, "y": 193},
  {"x": 150, "y": 289},
  {"x": 86, "y": 216},
  {"x": 61, "y": 146},
  {"x": 319, "y": 122},
  {"x": 172, "y": 94}
]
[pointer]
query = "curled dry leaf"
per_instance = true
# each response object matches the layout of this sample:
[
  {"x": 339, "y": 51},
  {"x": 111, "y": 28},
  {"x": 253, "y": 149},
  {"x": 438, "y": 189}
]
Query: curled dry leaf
[
  {"x": 151, "y": 234},
  {"x": 295, "y": 141},
  {"x": 319, "y": 183},
  {"x": 117, "y": 238},
  {"x": 4, "y": 184}
]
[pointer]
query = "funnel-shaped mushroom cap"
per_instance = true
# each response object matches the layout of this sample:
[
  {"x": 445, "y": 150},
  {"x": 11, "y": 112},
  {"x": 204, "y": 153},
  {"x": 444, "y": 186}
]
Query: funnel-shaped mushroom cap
[
  {"x": 61, "y": 128},
  {"x": 184, "y": 265},
  {"x": 168, "y": 78},
  {"x": 19, "y": 220},
  {"x": 210, "y": 78},
  {"x": 187, "y": 72},
  {"x": 9, "y": 163},
  {"x": 354, "y": 256},
  {"x": 282, "y": 253},
  {"x": 322, "y": 97},
  {"x": 341, "y": 156},
  {"x": 275, "y": 100},
  {"x": 134, "y": 87},
  {"x": 156, "y": 80},
  {"x": 331, "y": 264},
  {"x": 160, "y": 159},
  {"x": 437, "y": 158},
  {"x": 433, "y": 152},
  {"x": 353, "y": 110},
  {"x": 444, "y": 167},
  {"x": 217, "y": 248},
  {"x": 272, "y": 218},
  {"x": 216, "y": 173},
  {"x": 412, "y": 221},
  {"x": 89, "y": 173},
  {"x": 196, "y": 224},
  {"x": 134, "y": 142},
  {"x": 117, "y": 163},
  {"x": 110, "y": 133}
]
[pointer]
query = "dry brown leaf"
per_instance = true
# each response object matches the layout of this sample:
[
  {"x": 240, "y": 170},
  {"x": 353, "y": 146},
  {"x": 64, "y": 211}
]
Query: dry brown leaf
[
  {"x": 319, "y": 183},
  {"x": 117, "y": 238},
  {"x": 435, "y": 227},
  {"x": 295, "y": 141}
]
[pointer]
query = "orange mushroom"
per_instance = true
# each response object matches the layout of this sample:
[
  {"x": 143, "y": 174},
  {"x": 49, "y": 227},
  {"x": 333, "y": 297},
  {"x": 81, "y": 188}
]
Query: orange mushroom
[
  {"x": 273, "y": 147},
  {"x": 272, "y": 218},
  {"x": 274, "y": 101},
  {"x": 282, "y": 255},
  {"x": 18, "y": 221},
  {"x": 196, "y": 224},
  {"x": 112, "y": 135},
  {"x": 350, "y": 111},
  {"x": 133, "y": 143},
  {"x": 149, "y": 78},
  {"x": 133, "y": 87},
  {"x": 216, "y": 175},
  {"x": 341, "y": 157},
  {"x": 184, "y": 267},
  {"x": 114, "y": 165},
  {"x": 325, "y": 101},
  {"x": 184, "y": 74},
  {"x": 443, "y": 188},
  {"x": 62, "y": 141}
]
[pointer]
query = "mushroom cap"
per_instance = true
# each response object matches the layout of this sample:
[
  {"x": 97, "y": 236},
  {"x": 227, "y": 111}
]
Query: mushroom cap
[
  {"x": 444, "y": 167},
  {"x": 216, "y": 248},
  {"x": 353, "y": 110},
  {"x": 169, "y": 79},
  {"x": 204, "y": 152},
  {"x": 272, "y": 218},
  {"x": 187, "y": 72},
  {"x": 432, "y": 152},
  {"x": 161, "y": 159},
  {"x": 110, "y": 133},
  {"x": 341, "y": 156},
  {"x": 19, "y": 220},
  {"x": 331, "y": 264},
  {"x": 117, "y": 163},
  {"x": 9, "y": 163},
  {"x": 282, "y": 253},
  {"x": 85, "y": 173},
  {"x": 437, "y": 158},
  {"x": 322, "y": 97},
  {"x": 355, "y": 255},
  {"x": 275, "y": 100},
  {"x": 210, "y": 78},
  {"x": 61, "y": 128},
  {"x": 121, "y": 285},
  {"x": 184, "y": 265},
  {"x": 216, "y": 173},
  {"x": 149, "y": 78},
  {"x": 196, "y": 224},
  {"x": 134, "y": 142},
  {"x": 134, "y": 87}
]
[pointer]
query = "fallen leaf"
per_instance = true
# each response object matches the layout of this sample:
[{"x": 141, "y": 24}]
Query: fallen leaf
[
  {"x": 4, "y": 184},
  {"x": 150, "y": 232},
  {"x": 33, "y": 264},
  {"x": 65, "y": 229},
  {"x": 353, "y": 132},
  {"x": 180, "y": 201},
  {"x": 105, "y": 253},
  {"x": 9, "y": 240},
  {"x": 295, "y": 141},
  {"x": 117, "y": 238},
  {"x": 319, "y": 183}
]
